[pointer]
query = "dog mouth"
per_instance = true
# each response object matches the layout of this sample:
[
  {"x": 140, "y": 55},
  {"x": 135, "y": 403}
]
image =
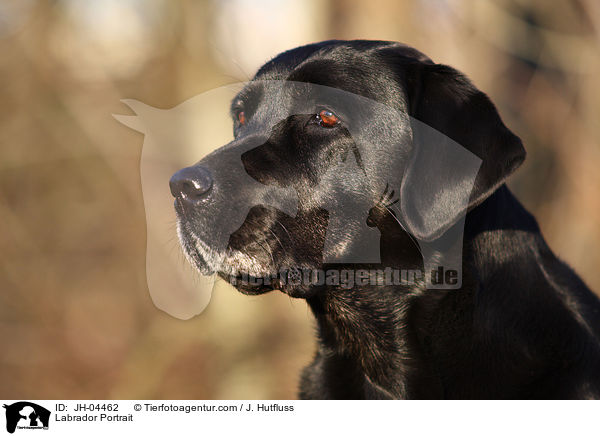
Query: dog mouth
[
  {"x": 241, "y": 270},
  {"x": 259, "y": 255},
  {"x": 195, "y": 251}
]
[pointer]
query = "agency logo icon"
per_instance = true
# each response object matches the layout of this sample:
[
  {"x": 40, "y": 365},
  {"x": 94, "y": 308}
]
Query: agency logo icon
[
  {"x": 26, "y": 415},
  {"x": 262, "y": 213}
]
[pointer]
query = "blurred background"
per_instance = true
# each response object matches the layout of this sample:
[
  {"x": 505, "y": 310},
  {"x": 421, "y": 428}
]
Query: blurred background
[{"x": 76, "y": 319}]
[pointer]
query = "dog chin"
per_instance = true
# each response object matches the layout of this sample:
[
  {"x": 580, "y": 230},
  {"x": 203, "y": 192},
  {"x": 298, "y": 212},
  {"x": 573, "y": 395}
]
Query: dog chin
[
  {"x": 229, "y": 265},
  {"x": 249, "y": 285},
  {"x": 247, "y": 274},
  {"x": 255, "y": 285}
]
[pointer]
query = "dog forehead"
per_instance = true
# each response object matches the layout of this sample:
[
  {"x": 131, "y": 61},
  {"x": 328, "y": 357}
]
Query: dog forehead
[
  {"x": 342, "y": 51},
  {"x": 268, "y": 100}
]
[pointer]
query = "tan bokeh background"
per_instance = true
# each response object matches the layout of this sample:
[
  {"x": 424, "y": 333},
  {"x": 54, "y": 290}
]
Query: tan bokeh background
[{"x": 76, "y": 320}]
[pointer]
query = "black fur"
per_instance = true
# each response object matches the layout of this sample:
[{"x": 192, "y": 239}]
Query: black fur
[{"x": 523, "y": 325}]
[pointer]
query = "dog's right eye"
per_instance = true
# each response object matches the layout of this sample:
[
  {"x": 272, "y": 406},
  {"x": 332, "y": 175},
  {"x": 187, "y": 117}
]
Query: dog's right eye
[{"x": 327, "y": 118}]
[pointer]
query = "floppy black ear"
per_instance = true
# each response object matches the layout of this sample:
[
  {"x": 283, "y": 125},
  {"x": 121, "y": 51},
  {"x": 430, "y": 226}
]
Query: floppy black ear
[{"x": 462, "y": 151}]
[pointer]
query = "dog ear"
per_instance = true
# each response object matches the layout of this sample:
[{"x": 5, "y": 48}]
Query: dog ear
[{"x": 462, "y": 151}]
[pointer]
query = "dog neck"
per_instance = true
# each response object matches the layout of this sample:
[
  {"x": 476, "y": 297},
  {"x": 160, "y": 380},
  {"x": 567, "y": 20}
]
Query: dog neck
[
  {"x": 369, "y": 330},
  {"x": 390, "y": 335}
]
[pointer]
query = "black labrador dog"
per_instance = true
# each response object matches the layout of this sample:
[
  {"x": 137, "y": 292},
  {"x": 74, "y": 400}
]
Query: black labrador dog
[{"x": 338, "y": 141}]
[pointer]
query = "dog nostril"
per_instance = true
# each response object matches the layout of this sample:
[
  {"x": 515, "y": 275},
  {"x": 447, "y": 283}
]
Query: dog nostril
[{"x": 191, "y": 183}]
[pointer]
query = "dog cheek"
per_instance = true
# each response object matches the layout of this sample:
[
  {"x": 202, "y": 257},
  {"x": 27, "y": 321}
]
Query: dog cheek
[{"x": 265, "y": 167}]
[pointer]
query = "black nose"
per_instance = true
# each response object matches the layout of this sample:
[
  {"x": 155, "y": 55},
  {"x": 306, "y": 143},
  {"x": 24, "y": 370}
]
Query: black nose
[{"x": 191, "y": 183}]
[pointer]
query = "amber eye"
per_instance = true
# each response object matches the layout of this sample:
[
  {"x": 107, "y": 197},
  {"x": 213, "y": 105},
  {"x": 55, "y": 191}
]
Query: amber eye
[
  {"x": 328, "y": 118},
  {"x": 241, "y": 117}
]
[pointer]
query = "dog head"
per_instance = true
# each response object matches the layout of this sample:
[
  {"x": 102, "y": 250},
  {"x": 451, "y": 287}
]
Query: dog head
[{"x": 336, "y": 146}]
